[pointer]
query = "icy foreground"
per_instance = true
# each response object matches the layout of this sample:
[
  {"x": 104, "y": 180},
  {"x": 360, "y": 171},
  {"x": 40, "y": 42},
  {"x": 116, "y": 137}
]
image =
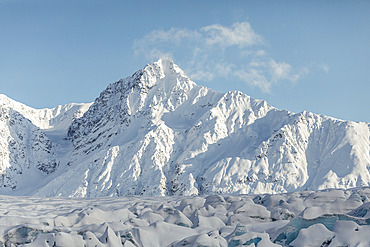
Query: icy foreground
[
  {"x": 158, "y": 133},
  {"x": 325, "y": 218}
]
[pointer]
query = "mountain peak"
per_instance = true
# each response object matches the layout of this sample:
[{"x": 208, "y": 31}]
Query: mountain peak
[
  {"x": 165, "y": 62},
  {"x": 158, "y": 133},
  {"x": 163, "y": 73},
  {"x": 164, "y": 67},
  {"x": 5, "y": 99}
]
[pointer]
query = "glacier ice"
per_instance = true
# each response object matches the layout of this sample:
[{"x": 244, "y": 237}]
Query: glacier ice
[{"x": 158, "y": 221}]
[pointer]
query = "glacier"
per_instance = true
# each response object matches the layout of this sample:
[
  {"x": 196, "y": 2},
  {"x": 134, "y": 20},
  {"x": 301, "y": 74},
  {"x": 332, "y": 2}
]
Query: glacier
[
  {"x": 333, "y": 217},
  {"x": 158, "y": 133}
]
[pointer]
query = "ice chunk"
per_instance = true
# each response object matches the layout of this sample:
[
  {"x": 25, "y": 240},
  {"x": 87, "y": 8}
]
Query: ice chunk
[
  {"x": 315, "y": 235},
  {"x": 348, "y": 233},
  {"x": 211, "y": 222},
  {"x": 362, "y": 211},
  {"x": 110, "y": 238},
  {"x": 241, "y": 237},
  {"x": 207, "y": 239}
]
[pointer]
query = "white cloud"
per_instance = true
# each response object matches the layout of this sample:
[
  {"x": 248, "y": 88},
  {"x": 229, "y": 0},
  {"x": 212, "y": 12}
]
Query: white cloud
[
  {"x": 155, "y": 53},
  {"x": 172, "y": 35},
  {"x": 255, "y": 78},
  {"x": 265, "y": 73},
  {"x": 323, "y": 66},
  {"x": 261, "y": 53},
  {"x": 240, "y": 34},
  {"x": 202, "y": 75},
  {"x": 224, "y": 69},
  {"x": 217, "y": 51},
  {"x": 151, "y": 44},
  {"x": 208, "y": 73},
  {"x": 280, "y": 71},
  {"x": 319, "y": 66}
]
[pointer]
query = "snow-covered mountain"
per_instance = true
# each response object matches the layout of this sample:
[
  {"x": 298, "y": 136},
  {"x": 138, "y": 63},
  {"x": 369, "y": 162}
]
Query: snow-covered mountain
[
  {"x": 31, "y": 141},
  {"x": 158, "y": 133}
]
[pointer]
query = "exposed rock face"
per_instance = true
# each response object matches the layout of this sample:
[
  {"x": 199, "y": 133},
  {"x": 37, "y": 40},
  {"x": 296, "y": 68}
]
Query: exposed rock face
[{"x": 158, "y": 133}]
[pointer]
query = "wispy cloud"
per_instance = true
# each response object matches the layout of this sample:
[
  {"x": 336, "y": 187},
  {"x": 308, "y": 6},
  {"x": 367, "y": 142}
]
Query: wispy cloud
[
  {"x": 240, "y": 34},
  {"x": 232, "y": 52},
  {"x": 155, "y": 40},
  {"x": 255, "y": 78},
  {"x": 322, "y": 66},
  {"x": 263, "y": 74}
]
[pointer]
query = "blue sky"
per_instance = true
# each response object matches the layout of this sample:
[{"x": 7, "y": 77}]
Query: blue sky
[{"x": 297, "y": 55}]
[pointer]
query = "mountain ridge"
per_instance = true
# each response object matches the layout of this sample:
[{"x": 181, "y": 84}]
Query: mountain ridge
[{"x": 158, "y": 133}]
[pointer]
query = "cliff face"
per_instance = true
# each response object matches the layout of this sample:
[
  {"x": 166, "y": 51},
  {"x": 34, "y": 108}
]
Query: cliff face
[{"x": 158, "y": 133}]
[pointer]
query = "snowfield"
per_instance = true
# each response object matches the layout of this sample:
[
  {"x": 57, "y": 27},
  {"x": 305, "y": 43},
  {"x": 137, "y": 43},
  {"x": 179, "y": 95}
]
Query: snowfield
[{"x": 323, "y": 218}]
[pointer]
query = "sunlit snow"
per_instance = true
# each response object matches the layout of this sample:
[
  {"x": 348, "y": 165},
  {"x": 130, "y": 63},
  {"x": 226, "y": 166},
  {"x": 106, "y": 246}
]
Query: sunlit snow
[{"x": 157, "y": 133}]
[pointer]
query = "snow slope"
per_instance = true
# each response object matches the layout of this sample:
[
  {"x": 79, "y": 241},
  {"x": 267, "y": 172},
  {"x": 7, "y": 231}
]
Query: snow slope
[
  {"x": 30, "y": 143},
  {"x": 326, "y": 218},
  {"x": 158, "y": 133}
]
